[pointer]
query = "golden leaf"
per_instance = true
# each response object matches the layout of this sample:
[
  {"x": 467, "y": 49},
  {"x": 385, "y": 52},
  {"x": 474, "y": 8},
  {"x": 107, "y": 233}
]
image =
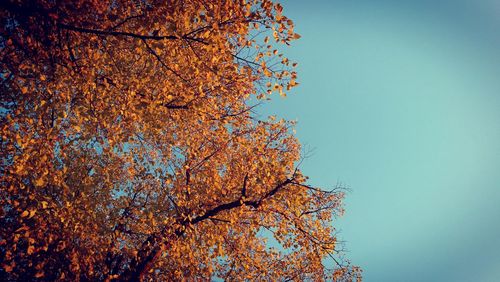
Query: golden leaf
[
  {"x": 32, "y": 213},
  {"x": 39, "y": 182},
  {"x": 30, "y": 249},
  {"x": 8, "y": 268},
  {"x": 267, "y": 72}
]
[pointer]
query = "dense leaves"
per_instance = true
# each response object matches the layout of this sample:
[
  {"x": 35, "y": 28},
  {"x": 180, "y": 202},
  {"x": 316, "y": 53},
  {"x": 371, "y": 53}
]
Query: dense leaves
[{"x": 130, "y": 149}]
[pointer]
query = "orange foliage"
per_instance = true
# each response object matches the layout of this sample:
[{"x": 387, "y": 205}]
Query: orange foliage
[{"x": 130, "y": 150}]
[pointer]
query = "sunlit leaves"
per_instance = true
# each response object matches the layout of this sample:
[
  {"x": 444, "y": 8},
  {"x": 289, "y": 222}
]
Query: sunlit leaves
[{"x": 131, "y": 149}]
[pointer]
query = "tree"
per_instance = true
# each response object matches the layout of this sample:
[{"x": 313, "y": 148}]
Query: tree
[{"x": 130, "y": 150}]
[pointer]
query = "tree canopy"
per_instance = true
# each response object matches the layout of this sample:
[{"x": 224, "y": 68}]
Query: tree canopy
[{"x": 131, "y": 151}]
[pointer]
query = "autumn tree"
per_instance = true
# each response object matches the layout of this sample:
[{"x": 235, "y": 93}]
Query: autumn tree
[{"x": 131, "y": 151}]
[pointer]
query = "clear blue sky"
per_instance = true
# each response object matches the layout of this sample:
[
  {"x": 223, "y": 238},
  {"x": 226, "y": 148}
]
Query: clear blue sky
[{"x": 401, "y": 101}]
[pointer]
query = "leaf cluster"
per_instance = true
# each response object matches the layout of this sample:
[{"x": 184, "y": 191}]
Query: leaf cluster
[{"x": 131, "y": 151}]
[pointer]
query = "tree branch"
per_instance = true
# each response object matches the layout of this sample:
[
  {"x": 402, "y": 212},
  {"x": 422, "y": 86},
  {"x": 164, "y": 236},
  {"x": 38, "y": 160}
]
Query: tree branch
[
  {"x": 238, "y": 203},
  {"x": 118, "y": 33}
]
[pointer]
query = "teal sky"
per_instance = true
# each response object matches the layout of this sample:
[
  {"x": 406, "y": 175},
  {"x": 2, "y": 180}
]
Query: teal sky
[{"x": 400, "y": 101}]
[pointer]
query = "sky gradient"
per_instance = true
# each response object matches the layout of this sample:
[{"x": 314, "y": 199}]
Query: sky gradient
[{"x": 400, "y": 101}]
